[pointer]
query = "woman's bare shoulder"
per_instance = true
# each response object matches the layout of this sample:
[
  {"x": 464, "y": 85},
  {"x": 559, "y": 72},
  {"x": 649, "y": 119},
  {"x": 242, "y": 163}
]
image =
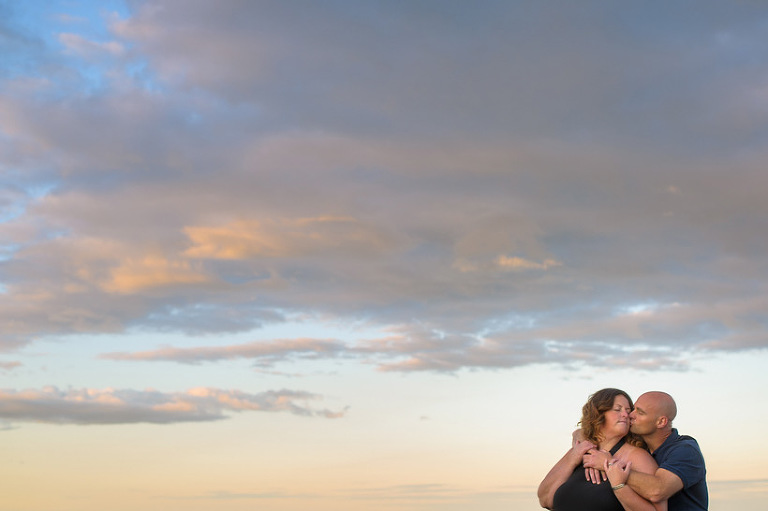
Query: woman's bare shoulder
[
  {"x": 640, "y": 458},
  {"x": 635, "y": 451}
]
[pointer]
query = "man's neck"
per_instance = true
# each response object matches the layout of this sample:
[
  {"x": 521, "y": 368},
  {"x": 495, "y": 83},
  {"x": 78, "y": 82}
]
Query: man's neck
[{"x": 655, "y": 440}]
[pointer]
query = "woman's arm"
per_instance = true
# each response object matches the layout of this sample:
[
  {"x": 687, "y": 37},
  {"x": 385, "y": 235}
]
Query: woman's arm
[
  {"x": 561, "y": 472},
  {"x": 618, "y": 473}
]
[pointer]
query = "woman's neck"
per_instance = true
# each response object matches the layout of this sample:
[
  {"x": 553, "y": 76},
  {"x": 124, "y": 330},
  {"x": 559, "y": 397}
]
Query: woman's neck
[{"x": 606, "y": 444}]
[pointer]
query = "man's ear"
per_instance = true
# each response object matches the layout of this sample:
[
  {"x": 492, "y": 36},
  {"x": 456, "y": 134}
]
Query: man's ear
[{"x": 662, "y": 421}]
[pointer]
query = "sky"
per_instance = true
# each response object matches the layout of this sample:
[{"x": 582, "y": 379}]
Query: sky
[{"x": 344, "y": 255}]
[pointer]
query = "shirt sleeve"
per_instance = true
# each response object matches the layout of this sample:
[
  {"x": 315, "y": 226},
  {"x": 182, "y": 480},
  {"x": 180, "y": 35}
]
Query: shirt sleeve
[{"x": 686, "y": 462}]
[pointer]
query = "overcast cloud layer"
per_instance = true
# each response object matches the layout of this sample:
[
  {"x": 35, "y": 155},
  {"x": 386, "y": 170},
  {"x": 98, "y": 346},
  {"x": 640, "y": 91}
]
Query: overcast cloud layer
[{"x": 488, "y": 184}]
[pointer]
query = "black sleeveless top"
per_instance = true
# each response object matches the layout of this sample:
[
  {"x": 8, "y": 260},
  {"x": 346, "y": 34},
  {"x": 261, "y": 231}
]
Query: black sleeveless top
[{"x": 578, "y": 494}]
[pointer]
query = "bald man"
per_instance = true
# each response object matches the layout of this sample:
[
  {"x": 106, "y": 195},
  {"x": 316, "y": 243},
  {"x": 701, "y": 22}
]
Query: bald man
[{"x": 681, "y": 476}]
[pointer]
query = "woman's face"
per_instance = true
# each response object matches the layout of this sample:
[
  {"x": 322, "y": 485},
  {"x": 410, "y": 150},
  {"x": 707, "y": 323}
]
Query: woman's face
[{"x": 617, "y": 418}]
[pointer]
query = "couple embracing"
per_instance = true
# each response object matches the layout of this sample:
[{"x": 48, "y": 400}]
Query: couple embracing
[{"x": 627, "y": 457}]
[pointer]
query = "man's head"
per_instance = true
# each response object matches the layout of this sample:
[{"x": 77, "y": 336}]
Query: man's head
[{"x": 654, "y": 411}]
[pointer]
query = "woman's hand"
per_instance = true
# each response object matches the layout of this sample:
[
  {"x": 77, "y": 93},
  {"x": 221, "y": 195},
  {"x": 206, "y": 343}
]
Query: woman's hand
[{"x": 617, "y": 471}]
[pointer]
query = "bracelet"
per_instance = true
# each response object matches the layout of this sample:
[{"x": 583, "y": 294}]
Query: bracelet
[{"x": 618, "y": 486}]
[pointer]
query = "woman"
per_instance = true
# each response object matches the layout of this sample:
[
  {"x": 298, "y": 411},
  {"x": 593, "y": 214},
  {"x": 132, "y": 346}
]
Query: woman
[{"x": 604, "y": 427}]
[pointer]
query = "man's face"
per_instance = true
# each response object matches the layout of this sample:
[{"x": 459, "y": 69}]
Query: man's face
[{"x": 643, "y": 417}]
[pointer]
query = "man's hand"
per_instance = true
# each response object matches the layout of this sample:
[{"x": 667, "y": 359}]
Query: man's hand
[
  {"x": 594, "y": 460},
  {"x": 594, "y": 475},
  {"x": 582, "y": 447}
]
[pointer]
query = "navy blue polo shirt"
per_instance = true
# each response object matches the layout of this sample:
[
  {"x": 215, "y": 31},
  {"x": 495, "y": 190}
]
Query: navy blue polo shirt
[{"x": 680, "y": 454}]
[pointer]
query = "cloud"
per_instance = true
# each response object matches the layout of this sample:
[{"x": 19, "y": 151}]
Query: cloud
[
  {"x": 413, "y": 68},
  {"x": 265, "y": 353},
  {"x": 240, "y": 165},
  {"x": 520, "y": 264},
  {"x": 122, "y": 406},
  {"x": 438, "y": 492},
  {"x": 300, "y": 237},
  {"x": 133, "y": 276},
  {"x": 450, "y": 355},
  {"x": 82, "y": 46},
  {"x": 412, "y": 350}
]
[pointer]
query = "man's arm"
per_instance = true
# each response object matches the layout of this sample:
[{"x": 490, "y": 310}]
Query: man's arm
[
  {"x": 593, "y": 465},
  {"x": 655, "y": 487}
]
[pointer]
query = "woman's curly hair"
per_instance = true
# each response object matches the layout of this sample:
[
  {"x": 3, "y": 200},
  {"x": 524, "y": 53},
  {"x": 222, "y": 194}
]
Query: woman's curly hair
[{"x": 593, "y": 415}]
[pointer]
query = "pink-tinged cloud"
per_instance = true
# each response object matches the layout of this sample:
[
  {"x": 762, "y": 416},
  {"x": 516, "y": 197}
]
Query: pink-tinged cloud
[
  {"x": 413, "y": 350},
  {"x": 135, "y": 275},
  {"x": 521, "y": 264},
  {"x": 266, "y": 353},
  {"x": 125, "y": 406},
  {"x": 294, "y": 237},
  {"x": 88, "y": 49}
]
